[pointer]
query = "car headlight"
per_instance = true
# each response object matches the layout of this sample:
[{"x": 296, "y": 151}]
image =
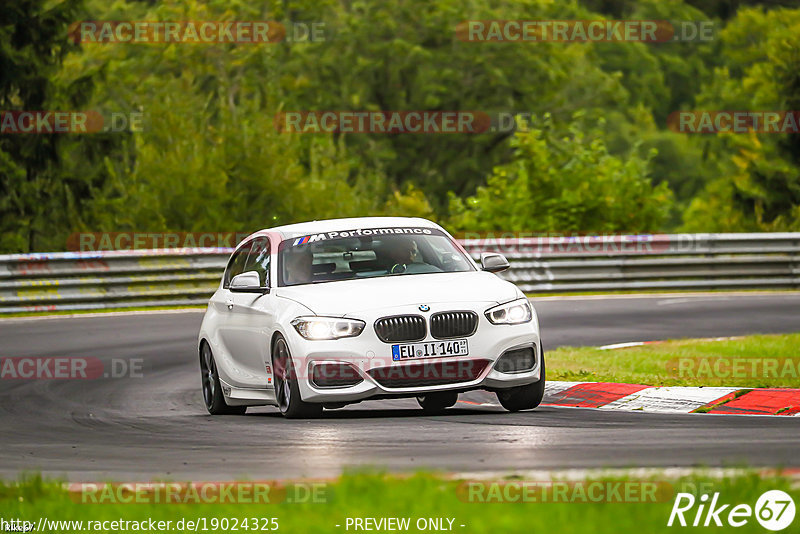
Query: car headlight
[
  {"x": 327, "y": 327},
  {"x": 514, "y": 312}
]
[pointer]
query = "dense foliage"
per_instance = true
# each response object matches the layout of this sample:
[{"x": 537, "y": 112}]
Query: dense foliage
[{"x": 594, "y": 155}]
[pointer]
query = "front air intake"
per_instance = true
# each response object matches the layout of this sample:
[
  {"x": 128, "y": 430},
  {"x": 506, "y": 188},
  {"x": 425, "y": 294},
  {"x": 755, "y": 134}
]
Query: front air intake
[{"x": 422, "y": 374}]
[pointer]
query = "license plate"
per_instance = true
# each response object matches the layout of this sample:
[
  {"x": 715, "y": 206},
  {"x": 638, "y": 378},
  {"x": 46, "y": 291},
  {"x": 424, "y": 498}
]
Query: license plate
[{"x": 433, "y": 349}]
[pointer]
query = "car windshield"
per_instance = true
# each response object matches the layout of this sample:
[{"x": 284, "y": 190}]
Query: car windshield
[{"x": 368, "y": 253}]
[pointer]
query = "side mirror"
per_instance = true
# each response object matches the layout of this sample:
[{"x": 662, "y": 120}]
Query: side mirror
[
  {"x": 494, "y": 263},
  {"x": 249, "y": 282}
]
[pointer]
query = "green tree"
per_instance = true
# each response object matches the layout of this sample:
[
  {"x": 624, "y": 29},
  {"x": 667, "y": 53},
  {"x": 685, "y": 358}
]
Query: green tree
[
  {"x": 408, "y": 56},
  {"x": 759, "y": 188},
  {"x": 41, "y": 192},
  {"x": 210, "y": 157},
  {"x": 564, "y": 184}
]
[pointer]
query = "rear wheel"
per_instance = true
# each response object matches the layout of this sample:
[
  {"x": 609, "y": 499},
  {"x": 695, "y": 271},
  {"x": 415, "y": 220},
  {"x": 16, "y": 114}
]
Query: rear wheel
[
  {"x": 212, "y": 389},
  {"x": 287, "y": 391},
  {"x": 523, "y": 397},
  {"x": 437, "y": 402}
]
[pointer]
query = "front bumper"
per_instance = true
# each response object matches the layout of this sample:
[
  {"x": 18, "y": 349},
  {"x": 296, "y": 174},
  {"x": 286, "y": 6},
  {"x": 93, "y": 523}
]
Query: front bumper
[{"x": 371, "y": 359}]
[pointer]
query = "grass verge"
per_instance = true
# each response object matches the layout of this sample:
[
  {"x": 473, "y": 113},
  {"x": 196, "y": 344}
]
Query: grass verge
[
  {"x": 750, "y": 361},
  {"x": 419, "y": 497}
]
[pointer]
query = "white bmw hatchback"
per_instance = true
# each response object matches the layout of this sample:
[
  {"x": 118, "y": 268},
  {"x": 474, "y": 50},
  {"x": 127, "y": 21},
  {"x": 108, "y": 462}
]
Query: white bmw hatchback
[{"x": 327, "y": 313}]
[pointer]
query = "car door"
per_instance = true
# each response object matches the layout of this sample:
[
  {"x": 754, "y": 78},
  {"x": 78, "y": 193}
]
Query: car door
[
  {"x": 229, "y": 330},
  {"x": 221, "y": 301},
  {"x": 251, "y": 321}
]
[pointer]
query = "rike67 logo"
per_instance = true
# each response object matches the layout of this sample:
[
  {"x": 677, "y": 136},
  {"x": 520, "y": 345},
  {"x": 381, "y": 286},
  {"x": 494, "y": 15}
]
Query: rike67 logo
[{"x": 774, "y": 510}]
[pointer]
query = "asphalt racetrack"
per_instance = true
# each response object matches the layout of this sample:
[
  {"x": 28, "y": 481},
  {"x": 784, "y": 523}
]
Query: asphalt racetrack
[{"x": 155, "y": 425}]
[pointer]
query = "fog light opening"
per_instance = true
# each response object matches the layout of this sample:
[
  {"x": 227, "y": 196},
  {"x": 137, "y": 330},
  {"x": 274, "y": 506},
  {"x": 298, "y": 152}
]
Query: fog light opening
[
  {"x": 334, "y": 375},
  {"x": 516, "y": 361}
]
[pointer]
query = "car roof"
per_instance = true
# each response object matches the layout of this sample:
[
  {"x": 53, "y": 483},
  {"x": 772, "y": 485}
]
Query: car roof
[{"x": 337, "y": 225}]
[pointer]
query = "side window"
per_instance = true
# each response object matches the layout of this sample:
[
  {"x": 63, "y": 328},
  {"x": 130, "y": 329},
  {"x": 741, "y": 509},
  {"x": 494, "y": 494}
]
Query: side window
[
  {"x": 258, "y": 260},
  {"x": 236, "y": 264}
]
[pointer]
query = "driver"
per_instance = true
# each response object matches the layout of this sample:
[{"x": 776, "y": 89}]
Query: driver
[{"x": 401, "y": 254}]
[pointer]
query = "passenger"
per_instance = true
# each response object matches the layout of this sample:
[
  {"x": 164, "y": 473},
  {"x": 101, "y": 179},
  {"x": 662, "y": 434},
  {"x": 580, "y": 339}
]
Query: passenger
[{"x": 297, "y": 266}]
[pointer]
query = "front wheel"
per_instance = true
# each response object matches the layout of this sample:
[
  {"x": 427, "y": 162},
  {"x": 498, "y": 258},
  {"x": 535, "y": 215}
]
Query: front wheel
[
  {"x": 437, "y": 402},
  {"x": 525, "y": 397},
  {"x": 212, "y": 389},
  {"x": 287, "y": 391}
]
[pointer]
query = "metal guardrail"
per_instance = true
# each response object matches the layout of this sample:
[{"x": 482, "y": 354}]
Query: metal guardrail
[
  {"x": 176, "y": 277},
  {"x": 649, "y": 262},
  {"x": 119, "y": 279}
]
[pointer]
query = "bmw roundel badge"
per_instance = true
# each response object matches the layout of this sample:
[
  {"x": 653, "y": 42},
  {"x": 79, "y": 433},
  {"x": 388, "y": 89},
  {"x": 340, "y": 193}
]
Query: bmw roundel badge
[{"x": 424, "y": 307}]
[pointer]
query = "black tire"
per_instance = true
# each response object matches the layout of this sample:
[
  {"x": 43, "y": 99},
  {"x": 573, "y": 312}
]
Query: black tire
[
  {"x": 287, "y": 392},
  {"x": 212, "y": 389},
  {"x": 437, "y": 402},
  {"x": 525, "y": 397}
]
